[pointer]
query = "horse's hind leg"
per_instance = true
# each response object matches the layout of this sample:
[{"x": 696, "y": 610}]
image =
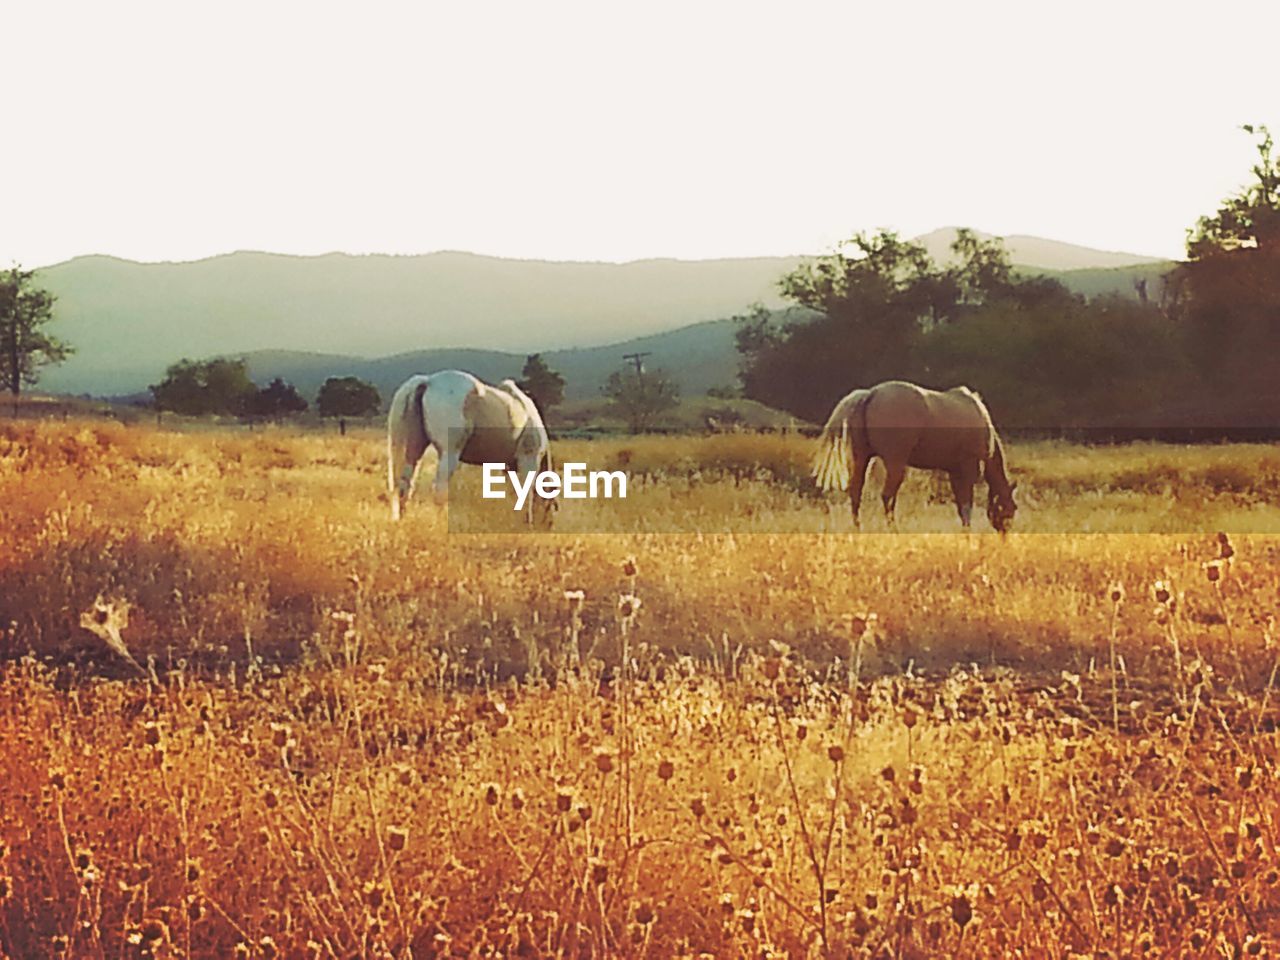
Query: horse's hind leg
[
  {"x": 893, "y": 476},
  {"x": 962, "y": 481},
  {"x": 406, "y": 447},
  {"x": 449, "y": 460},
  {"x": 857, "y": 478}
]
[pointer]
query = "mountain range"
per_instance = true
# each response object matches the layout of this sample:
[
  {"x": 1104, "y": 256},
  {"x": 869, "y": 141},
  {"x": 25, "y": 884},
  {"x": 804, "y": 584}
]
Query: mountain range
[{"x": 383, "y": 317}]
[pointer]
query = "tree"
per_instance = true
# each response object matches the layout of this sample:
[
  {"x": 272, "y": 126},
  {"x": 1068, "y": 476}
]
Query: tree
[
  {"x": 344, "y": 397},
  {"x": 869, "y": 311},
  {"x": 24, "y": 346},
  {"x": 544, "y": 385},
  {"x": 197, "y": 388},
  {"x": 1228, "y": 291},
  {"x": 1250, "y": 219},
  {"x": 641, "y": 397},
  {"x": 275, "y": 401}
]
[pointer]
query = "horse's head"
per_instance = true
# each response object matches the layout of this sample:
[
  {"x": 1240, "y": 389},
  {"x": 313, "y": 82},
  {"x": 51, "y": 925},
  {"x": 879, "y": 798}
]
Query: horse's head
[{"x": 1001, "y": 506}]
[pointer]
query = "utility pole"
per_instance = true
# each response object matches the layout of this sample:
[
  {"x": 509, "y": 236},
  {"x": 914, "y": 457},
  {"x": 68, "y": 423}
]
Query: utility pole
[{"x": 638, "y": 360}]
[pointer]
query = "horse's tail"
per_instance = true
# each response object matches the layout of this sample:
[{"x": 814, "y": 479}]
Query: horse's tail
[
  {"x": 407, "y": 440},
  {"x": 833, "y": 463}
]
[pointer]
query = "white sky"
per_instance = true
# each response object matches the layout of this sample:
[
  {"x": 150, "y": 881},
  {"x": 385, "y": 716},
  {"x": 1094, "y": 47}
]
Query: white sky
[{"x": 613, "y": 131}]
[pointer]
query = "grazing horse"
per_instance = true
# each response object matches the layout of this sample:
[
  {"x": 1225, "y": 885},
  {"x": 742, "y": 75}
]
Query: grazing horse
[
  {"x": 909, "y": 426},
  {"x": 467, "y": 421}
]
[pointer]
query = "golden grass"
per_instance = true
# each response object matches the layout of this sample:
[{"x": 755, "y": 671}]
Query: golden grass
[{"x": 346, "y": 737}]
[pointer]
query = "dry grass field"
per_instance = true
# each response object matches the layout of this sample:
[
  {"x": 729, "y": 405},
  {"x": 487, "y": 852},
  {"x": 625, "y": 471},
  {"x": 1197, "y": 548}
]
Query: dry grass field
[{"x": 242, "y": 714}]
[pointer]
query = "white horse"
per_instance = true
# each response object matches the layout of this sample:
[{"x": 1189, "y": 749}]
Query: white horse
[{"x": 467, "y": 421}]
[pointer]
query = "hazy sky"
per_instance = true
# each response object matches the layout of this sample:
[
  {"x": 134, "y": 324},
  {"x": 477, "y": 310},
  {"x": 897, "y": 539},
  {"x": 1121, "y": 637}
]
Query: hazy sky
[{"x": 613, "y": 131}]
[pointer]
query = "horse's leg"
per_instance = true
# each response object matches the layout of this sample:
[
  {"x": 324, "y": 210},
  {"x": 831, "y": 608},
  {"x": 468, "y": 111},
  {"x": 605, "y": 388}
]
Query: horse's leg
[
  {"x": 450, "y": 457},
  {"x": 962, "y": 480},
  {"x": 857, "y": 478},
  {"x": 407, "y": 448},
  {"x": 894, "y": 472}
]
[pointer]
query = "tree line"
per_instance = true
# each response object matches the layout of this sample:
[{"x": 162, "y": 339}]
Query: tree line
[
  {"x": 1202, "y": 363},
  {"x": 223, "y": 387}
]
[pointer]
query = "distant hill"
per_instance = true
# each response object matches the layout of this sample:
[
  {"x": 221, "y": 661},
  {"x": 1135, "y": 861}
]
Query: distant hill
[
  {"x": 698, "y": 357},
  {"x": 1039, "y": 253},
  {"x": 306, "y": 318},
  {"x": 129, "y": 320}
]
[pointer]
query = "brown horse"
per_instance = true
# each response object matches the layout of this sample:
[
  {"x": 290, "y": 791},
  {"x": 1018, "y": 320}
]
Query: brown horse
[{"x": 909, "y": 426}]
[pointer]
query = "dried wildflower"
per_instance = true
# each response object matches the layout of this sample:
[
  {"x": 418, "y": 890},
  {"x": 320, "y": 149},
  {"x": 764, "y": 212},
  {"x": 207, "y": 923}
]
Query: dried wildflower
[
  {"x": 666, "y": 769},
  {"x": 151, "y": 734},
  {"x": 604, "y": 761},
  {"x": 517, "y": 799},
  {"x": 1116, "y": 593},
  {"x": 599, "y": 872},
  {"x": 629, "y": 567},
  {"x": 397, "y": 838},
  {"x": 628, "y": 607},
  {"x": 491, "y": 794},
  {"x": 1161, "y": 592},
  {"x": 279, "y": 735},
  {"x": 270, "y": 799},
  {"x": 563, "y": 802},
  {"x": 698, "y": 806},
  {"x": 961, "y": 910},
  {"x": 404, "y": 775},
  {"x": 909, "y": 717},
  {"x": 1225, "y": 550},
  {"x": 645, "y": 914},
  {"x": 835, "y": 752},
  {"x": 106, "y": 619},
  {"x": 1214, "y": 570}
]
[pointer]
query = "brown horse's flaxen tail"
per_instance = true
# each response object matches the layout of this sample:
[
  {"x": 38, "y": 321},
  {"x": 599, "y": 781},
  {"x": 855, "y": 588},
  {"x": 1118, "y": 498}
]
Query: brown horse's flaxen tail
[{"x": 833, "y": 463}]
